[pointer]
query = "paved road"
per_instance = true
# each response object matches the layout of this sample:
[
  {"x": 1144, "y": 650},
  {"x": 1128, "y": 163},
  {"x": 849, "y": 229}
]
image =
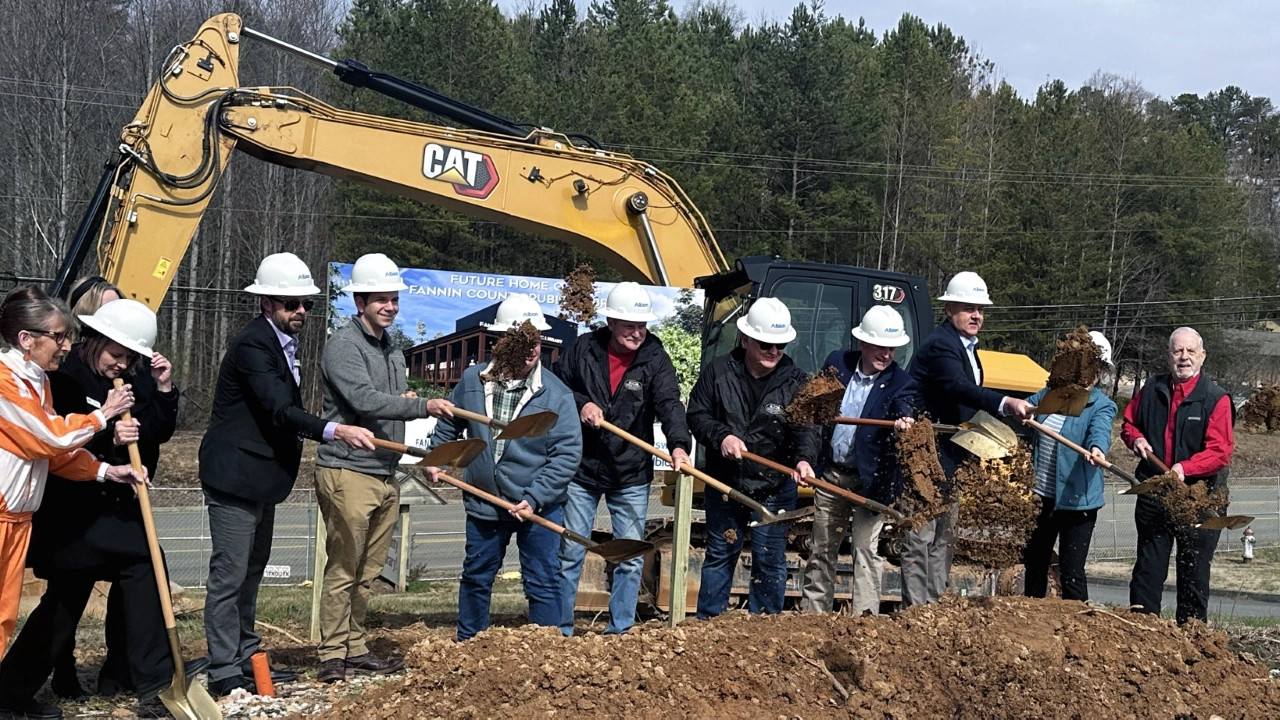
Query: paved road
[{"x": 1220, "y": 602}]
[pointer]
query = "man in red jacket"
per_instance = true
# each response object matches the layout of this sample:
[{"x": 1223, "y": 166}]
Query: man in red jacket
[{"x": 1184, "y": 419}]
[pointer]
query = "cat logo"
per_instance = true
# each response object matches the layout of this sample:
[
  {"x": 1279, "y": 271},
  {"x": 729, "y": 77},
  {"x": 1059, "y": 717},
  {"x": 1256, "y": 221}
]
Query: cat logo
[
  {"x": 632, "y": 385},
  {"x": 471, "y": 174}
]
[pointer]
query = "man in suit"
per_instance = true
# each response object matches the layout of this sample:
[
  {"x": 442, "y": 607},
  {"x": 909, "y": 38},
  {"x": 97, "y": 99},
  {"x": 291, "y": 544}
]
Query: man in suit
[
  {"x": 950, "y": 376},
  {"x": 249, "y": 460},
  {"x": 861, "y": 459}
]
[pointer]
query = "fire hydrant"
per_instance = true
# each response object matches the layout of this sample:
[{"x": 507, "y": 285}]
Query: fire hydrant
[{"x": 1248, "y": 540}]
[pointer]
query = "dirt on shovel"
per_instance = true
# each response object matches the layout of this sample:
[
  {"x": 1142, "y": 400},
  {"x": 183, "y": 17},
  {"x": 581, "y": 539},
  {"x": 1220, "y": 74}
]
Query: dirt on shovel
[
  {"x": 1077, "y": 362},
  {"x": 511, "y": 353},
  {"x": 818, "y": 402},
  {"x": 1261, "y": 412},
  {"x": 922, "y": 498},
  {"x": 1186, "y": 504},
  {"x": 578, "y": 296},
  {"x": 998, "y": 509}
]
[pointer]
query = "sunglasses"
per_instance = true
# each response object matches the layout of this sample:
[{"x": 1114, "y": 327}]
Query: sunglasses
[
  {"x": 57, "y": 337},
  {"x": 292, "y": 304},
  {"x": 767, "y": 347}
]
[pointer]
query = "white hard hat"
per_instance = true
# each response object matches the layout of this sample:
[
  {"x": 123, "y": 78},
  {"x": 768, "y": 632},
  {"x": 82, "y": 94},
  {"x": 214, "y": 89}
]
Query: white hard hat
[
  {"x": 517, "y": 308},
  {"x": 375, "y": 272},
  {"x": 628, "y": 301},
  {"x": 768, "y": 321},
  {"x": 883, "y": 326},
  {"x": 1103, "y": 344},
  {"x": 127, "y": 322},
  {"x": 283, "y": 274},
  {"x": 967, "y": 287}
]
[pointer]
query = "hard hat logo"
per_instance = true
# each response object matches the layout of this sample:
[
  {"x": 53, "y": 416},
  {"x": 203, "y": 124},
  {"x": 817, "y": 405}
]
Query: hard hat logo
[{"x": 471, "y": 173}]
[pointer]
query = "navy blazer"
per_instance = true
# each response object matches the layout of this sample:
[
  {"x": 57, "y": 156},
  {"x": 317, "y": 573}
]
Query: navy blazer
[
  {"x": 948, "y": 389},
  {"x": 895, "y": 394}
]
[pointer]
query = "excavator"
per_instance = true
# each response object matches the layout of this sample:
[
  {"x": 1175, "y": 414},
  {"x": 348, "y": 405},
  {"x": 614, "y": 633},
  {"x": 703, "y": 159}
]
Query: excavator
[{"x": 152, "y": 195}]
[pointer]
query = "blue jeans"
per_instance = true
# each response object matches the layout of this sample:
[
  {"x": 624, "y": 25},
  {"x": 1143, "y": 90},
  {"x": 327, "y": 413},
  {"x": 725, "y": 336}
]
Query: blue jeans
[
  {"x": 628, "y": 509},
  {"x": 486, "y": 545},
  {"x": 768, "y": 553}
]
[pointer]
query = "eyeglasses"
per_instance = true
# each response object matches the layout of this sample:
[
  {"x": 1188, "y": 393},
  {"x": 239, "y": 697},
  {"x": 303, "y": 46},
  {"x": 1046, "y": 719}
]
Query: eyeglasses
[
  {"x": 57, "y": 337},
  {"x": 292, "y": 304},
  {"x": 767, "y": 347}
]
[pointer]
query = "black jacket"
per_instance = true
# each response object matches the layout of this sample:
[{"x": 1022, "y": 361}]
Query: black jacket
[
  {"x": 718, "y": 408},
  {"x": 1191, "y": 424},
  {"x": 948, "y": 389},
  {"x": 83, "y": 526},
  {"x": 649, "y": 390},
  {"x": 253, "y": 445}
]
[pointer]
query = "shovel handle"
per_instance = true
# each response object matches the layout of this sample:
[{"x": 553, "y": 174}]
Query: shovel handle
[
  {"x": 661, "y": 454},
  {"x": 889, "y": 423},
  {"x": 477, "y": 417},
  {"x": 832, "y": 488},
  {"x": 1133, "y": 481}
]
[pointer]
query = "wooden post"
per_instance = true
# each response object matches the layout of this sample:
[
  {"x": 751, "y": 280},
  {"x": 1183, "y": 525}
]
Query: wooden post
[
  {"x": 680, "y": 547},
  {"x": 317, "y": 574},
  {"x": 406, "y": 547}
]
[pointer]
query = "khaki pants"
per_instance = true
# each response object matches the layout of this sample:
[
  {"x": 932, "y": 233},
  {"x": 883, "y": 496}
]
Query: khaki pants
[
  {"x": 926, "y": 559},
  {"x": 834, "y": 519},
  {"x": 360, "y": 516}
]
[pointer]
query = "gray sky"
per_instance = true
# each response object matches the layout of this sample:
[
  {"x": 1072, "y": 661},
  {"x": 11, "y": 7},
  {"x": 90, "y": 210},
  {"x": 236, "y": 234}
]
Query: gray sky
[{"x": 1171, "y": 46}]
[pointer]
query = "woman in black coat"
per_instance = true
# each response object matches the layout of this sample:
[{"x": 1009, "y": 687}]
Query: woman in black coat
[{"x": 86, "y": 531}]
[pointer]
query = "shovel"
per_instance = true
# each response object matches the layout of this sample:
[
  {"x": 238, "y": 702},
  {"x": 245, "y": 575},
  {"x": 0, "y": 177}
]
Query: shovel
[
  {"x": 986, "y": 436},
  {"x": 1222, "y": 522},
  {"x": 1068, "y": 400},
  {"x": 832, "y": 488},
  {"x": 1135, "y": 488},
  {"x": 766, "y": 516},
  {"x": 460, "y": 453},
  {"x": 889, "y": 423},
  {"x": 523, "y": 426},
  {"x": 185, "y": 703}
]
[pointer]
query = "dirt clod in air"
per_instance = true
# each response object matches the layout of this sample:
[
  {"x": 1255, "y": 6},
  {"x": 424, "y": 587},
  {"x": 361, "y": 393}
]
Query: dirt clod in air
[
  {"x": 578, "y": 296},
  {"x": 997, "y": 508},
  {"x": 1078, "y": 361},
  {"x": 922, "y": 499},
  {"x": 1261, "y": 412},
  {"x": 1183, "y": 503},
  {"x": 511, "y": 353},
  {"x": 731, "y": 536},
  {"x": 1007, "y": 657},
  {"x": 818, "y": 402}
]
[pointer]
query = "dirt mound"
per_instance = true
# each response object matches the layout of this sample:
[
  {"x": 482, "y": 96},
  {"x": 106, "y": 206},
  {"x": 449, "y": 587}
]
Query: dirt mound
[
  {"x": 818, "y": 402},
  {"x": 1185, "y": 504},
  {"x": 511, "y": 352},
  {"x": 1261, "y": 412},
  {"x": 922, "y": 500},
  {"x": 997, "y": 658},
  {"x": 578, "y": 296},
  {"x": 997, "y": 509},
  {"x": 1077, "y": 362}
]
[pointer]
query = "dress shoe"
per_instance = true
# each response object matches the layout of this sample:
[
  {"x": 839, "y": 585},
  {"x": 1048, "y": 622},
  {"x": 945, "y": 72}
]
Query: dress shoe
[
  {"x": 28, "y": 708},
  {"x": 370, "y": 664},
  {"x": 225, "y": 686},
  {"x": 332, "y": 671}
]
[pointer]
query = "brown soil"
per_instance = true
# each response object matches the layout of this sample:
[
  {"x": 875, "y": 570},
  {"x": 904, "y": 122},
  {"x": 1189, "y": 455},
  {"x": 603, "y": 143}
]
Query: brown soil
[
  {"x": 511, "y": 353},
  {"x": 578, "y": 296},
  {"x": 1186, "y": 504},
  {"x": 1077, "y": 362},
  {"x": 1261, "y": 412},
  {"x": 818, "y": 402},
  {"x": 989, "y": 657},
  {"x": 922, "y": 500},
  {"x": 997, "y": 509}
]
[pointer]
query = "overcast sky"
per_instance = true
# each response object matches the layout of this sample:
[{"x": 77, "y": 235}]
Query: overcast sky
[{"x": 1171, "y": 46}]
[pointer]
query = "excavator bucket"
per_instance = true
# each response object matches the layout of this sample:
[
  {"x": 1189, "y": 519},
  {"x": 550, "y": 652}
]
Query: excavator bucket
[{"x": 986, "y": 436}]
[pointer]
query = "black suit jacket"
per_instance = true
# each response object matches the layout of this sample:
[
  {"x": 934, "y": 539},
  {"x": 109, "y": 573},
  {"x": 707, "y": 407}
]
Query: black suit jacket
[
  {"x": 253, "y": 445},
  {"x": 948, "y": 388}
]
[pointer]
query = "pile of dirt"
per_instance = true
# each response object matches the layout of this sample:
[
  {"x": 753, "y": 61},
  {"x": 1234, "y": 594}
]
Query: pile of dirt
[
  {"x": 997, "y": 509},
  {"x": 1261, "y": 412},
  {"x": 1186, "y": 504},
  {"x": 987, "y": 657},
  {"x": 511, "y": 353},
  {"x": 1077, "y": 361},
  {"x": 578, "y": 296},
  {"x": 818, "y": 402},
  {"x": 922, "y": 499}
]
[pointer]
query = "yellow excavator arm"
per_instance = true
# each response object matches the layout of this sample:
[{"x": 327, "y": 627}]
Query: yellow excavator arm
[{"x": 624, "y": 211}]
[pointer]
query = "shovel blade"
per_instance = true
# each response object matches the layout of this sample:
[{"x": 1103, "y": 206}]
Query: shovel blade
[
  {"x": 458, "y": 453},
  {"x": 782, "y": 517},
  {"x": 986, "y": 436},
  {"x": 1141, "y": 488},
  {"x": 534, "y": 425},
  {"x": 1068, "y": 400},
  {"x": 620, "y": 549},
  {"x": 190, "y": 703},
  {"x": 1229, "y": 522}
]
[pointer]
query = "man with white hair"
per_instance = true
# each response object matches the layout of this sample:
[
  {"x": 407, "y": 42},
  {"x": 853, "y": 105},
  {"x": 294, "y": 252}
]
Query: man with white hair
[{"x": 1184, "y": 419}]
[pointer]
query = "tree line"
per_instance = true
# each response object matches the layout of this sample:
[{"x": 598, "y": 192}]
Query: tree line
[{"x": 813, "y": 137}]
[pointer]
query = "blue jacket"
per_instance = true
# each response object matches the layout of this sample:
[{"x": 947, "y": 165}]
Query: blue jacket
[
  {"x": 1079, "y": 483},
  {"x": 894, "y": 395},
  {"x": 534, "y": 469},
  {"x": 948, "y": 389}
]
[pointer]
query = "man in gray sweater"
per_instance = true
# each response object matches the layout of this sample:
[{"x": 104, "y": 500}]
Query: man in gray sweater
[{"x": 364, "y": 384}]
